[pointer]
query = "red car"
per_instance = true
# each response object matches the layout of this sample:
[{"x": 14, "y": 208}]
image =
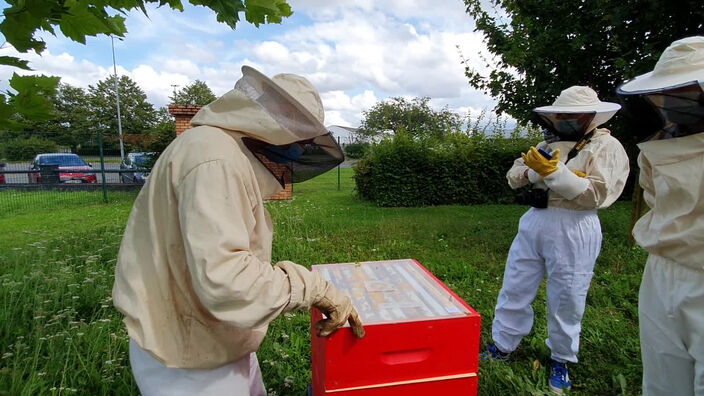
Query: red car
[
  {"x": 3, "y": 166},
  {"x": 72, "y": 168}
]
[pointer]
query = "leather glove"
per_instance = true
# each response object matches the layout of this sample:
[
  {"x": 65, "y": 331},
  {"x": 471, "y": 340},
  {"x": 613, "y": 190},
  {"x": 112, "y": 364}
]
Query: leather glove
[
  {"x": 338, "y": 309},
  {"x": 534, "y": 160},
  {"x": 579, "y": 173}
]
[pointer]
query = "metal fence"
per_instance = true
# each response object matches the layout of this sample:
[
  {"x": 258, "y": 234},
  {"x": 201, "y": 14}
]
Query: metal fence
[{"x": 27, "y": 186}]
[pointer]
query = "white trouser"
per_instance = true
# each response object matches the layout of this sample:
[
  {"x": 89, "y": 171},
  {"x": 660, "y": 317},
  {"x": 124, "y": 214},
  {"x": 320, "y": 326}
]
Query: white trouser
[
  {"x": 564, "y": 244},
  {"x": 671, "y": 314},
  {"x": 242, "y": 377}
]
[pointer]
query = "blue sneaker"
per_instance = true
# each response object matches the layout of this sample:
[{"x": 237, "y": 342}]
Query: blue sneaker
[
  {"x": 492, "y": 352},
  {"x": 560, "y": 378}
]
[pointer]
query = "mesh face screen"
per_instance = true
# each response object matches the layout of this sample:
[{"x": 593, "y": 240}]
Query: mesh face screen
[
  {"x": 567, "y": 126},
  {"x": 670, "y": 113},
  {"x": 299, "y": 161}
]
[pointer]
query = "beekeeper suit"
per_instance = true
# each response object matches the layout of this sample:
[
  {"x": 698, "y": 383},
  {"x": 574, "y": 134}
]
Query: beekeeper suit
[
  {"x": 193, "y": 275},
  {"x": 562, "y": 235},
  {"x": 671, "y": 303}
]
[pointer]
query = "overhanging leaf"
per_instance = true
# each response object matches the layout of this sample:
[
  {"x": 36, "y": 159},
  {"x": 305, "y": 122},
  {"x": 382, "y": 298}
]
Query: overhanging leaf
[
  {"x": 33, "y": 98},
  {"x": 15, "y": 62},
  {"x": 83, "y": 20}
]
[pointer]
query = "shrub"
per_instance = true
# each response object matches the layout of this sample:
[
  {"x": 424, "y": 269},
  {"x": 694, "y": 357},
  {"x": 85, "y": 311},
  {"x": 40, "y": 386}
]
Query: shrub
[
  {"x": 458, "y": 169},
  {"x": 356, "y": 150},
  {"x": 21, "y": 149}
]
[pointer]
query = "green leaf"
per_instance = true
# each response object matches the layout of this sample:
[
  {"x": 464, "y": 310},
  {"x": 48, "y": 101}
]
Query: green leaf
[
  {"x": 174, "y": 4},
  {"x": 227, "y": 11},
  {"x": 19, "y": 30},
  {"x": 83, "y": 20},
  {"x": 266, "y": 11},
  {"x": 6, "y": 111},
  {"x": 34, "y": 94},
  {"x": 15, "y": 62}
]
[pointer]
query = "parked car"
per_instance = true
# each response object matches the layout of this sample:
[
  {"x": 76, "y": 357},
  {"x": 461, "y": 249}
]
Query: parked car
[
  {"x": 72, "y": 168},
  {"x": 3, "y": 167},
  {"x": 138, "y": 161}
]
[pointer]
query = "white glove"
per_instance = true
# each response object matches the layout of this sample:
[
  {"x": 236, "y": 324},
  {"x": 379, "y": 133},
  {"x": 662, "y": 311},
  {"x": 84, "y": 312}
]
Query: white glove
[
  {"x": 564, "y": 182},
  {"x": 533, "y": 176}
]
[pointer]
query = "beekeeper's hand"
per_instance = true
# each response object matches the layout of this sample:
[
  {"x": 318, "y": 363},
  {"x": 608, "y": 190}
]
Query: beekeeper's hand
[
  {"x": 534, "y": 160},
  {"x": 338, "y": 309}
]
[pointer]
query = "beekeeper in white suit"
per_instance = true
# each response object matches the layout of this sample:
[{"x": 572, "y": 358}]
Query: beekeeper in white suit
[
  {"x": 193, "y": 278},
  {"x": 560, "y": 235},
  {"x": 670, "y": 100}
]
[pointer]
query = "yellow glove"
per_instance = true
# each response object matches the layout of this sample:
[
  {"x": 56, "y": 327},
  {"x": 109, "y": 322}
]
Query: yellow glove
[
  {"x": 339, "y": 310},
  {"x": 579, "y": 173},
  {"x": 534, "y": 160}
]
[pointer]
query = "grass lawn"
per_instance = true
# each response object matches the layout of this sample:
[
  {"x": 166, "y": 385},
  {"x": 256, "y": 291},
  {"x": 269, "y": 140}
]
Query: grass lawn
[{"x": 59, "y": 333}]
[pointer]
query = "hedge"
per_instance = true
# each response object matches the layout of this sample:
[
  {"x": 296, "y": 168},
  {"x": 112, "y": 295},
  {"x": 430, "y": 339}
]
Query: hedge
[
  {"x": 20, "y": 149},
  {"x": 356, "y": 150},
  {"x": 457, "y": 170}
]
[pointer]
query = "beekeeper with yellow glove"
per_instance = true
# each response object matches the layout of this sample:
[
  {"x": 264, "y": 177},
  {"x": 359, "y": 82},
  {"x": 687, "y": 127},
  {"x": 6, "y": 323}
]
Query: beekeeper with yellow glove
[
  {"x": 193, "y": 277},
  {"x": 578, "y": 169},
  {"x": 668, "y": 106}
]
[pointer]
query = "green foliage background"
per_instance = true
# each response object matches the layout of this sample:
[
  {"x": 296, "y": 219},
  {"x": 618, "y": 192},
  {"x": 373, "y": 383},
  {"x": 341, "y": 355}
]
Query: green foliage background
[
  {"x": 196, "y": 93},
  {"x": 458, "y": 169},
  {"x": 356, "y": 150},
  {"x": 20, "y": 149}
]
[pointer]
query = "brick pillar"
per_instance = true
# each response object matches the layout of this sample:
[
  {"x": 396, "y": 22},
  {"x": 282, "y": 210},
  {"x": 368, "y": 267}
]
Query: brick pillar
[{"x": 183, "y": 115}]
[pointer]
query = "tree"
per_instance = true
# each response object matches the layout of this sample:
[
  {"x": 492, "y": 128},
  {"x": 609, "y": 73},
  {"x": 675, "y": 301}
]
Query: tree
[
  {"x": 78, "y": 19},
  {"x": 70, "y": 125},
  {"x": 163, "y": 131},
  {"x": 138, "y": 115},
  {"x": 544, "y": 46},
  {"x": 414, "y": 117},
  {"x": 197, "y": 93}
]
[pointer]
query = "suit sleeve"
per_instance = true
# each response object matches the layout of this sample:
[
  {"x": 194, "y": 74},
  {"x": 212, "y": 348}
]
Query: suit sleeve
[
  {"x": 645, "y": 179},
  {"x": 607, "y": 171},
  {"x": 516, "y": 175}
]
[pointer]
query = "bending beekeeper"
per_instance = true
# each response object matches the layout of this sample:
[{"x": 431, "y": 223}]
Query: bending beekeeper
[
  {"x": 668, "y": 106},
  {"x": 560, "y": 235},
  {"x": 193, "y": 277}
]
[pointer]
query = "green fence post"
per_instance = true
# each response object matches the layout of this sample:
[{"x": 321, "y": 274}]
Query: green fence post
[{"x": 102, "y": 167}]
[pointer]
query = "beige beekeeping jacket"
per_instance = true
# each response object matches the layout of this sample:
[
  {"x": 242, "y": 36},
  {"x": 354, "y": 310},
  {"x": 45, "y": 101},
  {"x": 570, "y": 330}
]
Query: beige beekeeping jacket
[
  {"x": 193, "y": 277},
  {"x": 672, "y": 177},
  {"x": 604, "y": 161}
]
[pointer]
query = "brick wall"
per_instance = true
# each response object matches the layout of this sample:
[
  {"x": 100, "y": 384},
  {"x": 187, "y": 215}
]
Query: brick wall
[{"x": 183, "y": 115}]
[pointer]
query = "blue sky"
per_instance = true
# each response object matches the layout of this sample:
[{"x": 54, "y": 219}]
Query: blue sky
[{"x": 355, "y": 52}]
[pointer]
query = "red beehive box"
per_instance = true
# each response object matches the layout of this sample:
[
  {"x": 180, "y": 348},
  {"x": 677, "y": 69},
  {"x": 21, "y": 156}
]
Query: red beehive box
[{"x": 421, "y": 337}]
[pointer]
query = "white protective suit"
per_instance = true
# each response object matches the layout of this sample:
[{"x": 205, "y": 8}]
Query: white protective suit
[
  {"x": 194, "y": 277},
  {"x": 563, "y": 241},
  {"x": 671, "y": 299}
]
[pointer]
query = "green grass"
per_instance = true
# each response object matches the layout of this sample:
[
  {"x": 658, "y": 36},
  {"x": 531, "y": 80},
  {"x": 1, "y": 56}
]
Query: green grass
[
  {"x": 59, "y": 333},
  {"x": 52, "y": 203}
]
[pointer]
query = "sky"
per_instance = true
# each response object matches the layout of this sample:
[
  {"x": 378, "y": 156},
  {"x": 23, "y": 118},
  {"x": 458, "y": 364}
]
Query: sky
[{"x": 356, "y": 53}]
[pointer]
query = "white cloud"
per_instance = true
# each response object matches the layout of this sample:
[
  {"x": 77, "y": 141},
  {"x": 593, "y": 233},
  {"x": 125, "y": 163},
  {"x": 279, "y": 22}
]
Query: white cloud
[
  {"x": 180, "y": 66},
  {"x": 355, "y": 53},
  {"x": 157, "y": 85},
  {"x": 341, "y": 109},
  {"x": 78, "y": 73}
]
